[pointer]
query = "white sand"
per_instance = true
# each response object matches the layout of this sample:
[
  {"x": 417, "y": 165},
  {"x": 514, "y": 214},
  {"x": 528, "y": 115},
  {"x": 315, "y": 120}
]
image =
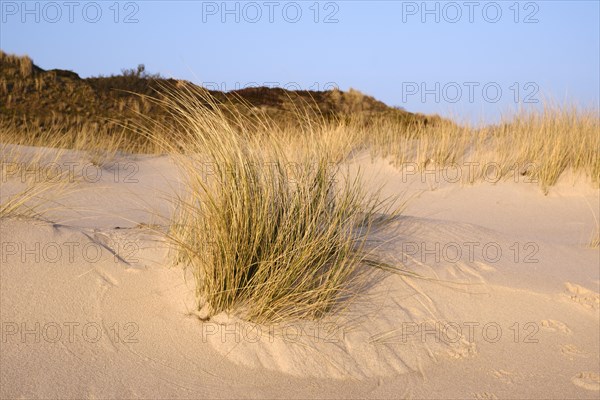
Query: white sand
[{"x": 78, "y": 322}]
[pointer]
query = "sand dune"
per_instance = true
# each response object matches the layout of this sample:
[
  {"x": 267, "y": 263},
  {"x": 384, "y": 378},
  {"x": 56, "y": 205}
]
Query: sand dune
[{"x": 506, "y": 304}]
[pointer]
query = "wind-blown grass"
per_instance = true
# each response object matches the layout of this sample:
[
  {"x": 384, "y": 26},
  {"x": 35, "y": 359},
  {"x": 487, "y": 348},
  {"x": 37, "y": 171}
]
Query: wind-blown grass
[
  {"x": 39, "y": 181},
  {"x": 594, "y": 242},
  {"x": 29, "y": 201},
  {"x": 552, "y": 141},
  {"x": 531, "y": 146},
  {"x": 265, "y": 242},
  {"x": 103, "y": 142},
  {"x": 534, "y": 146},
  {"x": 17, "y": 205},
  {"x": 595, "y": 239}
]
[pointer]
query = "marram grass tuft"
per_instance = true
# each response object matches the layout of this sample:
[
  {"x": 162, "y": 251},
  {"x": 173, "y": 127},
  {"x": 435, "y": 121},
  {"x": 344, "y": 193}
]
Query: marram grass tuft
[{"x": 267, "y": 241}]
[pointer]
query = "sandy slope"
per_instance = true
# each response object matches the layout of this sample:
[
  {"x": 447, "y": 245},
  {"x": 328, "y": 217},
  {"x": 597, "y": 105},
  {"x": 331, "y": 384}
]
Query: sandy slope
[{"x": 88, "y": 308}]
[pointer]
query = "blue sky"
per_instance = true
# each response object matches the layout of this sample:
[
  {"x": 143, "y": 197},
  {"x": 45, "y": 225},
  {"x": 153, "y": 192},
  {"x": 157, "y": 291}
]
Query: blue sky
[{"x": 473, "y": 60}]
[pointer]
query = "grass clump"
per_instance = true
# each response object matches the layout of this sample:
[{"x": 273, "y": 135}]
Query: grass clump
[{"x": 266, "y": 241}]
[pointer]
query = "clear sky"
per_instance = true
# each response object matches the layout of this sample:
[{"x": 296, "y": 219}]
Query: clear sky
[{"x": 472, "y": 60}]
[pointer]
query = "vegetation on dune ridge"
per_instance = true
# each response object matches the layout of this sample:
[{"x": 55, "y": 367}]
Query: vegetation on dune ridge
[
  {"x": 532, "y": 147},
  {"x": 110, "y": 114},
  {"x": 33, "y": 99}
]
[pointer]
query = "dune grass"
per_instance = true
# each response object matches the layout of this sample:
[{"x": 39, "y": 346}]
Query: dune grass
[
  {"x": 594, "y": 242},
  {"x": 36, "y": 181},
  {"x": 41, "y": 176},
  {"x": 595, "y": 239},
  {"x": 28, "y": 201},
  {"x": 531, "y": 146},
  {"x": 102, "y": 142},
  {"x": 19, "y": 205},
  {"x": 535, "y": 146},
  {"x": 266, "y": 241},
  {"x": 552, "y": 141}
]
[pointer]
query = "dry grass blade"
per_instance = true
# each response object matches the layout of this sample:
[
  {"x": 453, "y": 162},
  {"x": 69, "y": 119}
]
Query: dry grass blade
[
  {"x": 27, "y": 202},
  {"x": 35, "y": 178},
  {"x": 595, "y": 240}
]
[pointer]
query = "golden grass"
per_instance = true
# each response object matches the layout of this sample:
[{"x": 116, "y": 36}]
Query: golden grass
[
  {"x": 20, "y": 205},
  {"x": 41, "y": 183},
  {"x": 263, "y": 241},
  {"x": 40, "y": 177},
  {"x": 91, "y": 137},
  {"x": 595, "y": 240},
  {"x": 535, "y": 146},
  {"x": 552, "y": 141},
  {"x": 25, "y": 63}
]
